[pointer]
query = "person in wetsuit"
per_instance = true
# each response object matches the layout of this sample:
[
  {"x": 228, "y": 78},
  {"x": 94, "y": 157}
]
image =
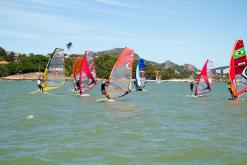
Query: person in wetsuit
[
  {"x": 230, "y": 89},
  {"x": 136, "y": 86},
  {"x": 39, "y": 85},
  {"x": 104, "y": 84},
  {"x": 191, "y": 86}
]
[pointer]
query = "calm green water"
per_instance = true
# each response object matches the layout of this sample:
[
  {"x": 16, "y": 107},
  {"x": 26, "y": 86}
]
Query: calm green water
[{"x": 159, "y": 126}]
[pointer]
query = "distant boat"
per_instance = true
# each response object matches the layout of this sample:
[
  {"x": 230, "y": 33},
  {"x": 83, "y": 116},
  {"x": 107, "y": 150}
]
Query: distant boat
[
  {"x": 238, "y": 69},
  {"x": 140, "y": 75},
  {"x": 85, "y": 73},
  {"x": 158, "y": 77},
  {"x": 204, "y": 81},
  {"x": 121, "y": 75},
  {"x": 53, "y": 76}
]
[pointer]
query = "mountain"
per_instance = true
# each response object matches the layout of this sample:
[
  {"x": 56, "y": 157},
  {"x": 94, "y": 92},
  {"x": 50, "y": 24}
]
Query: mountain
[
  {"x": 166, "y": 65},
  {"x": 114, "y": 52},
  {"x": 190, "y": 68},
  {"x": 170, "y": 65}
]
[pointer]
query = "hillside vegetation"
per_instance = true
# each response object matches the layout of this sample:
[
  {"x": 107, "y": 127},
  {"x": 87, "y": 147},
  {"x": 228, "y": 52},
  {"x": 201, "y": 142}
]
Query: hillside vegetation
[{"x": 104, "y": 60}]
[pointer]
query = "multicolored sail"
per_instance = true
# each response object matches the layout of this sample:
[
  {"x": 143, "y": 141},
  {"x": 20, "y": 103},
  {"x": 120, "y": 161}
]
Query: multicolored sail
[
  {"x": 158, "y": 76},
  {"x": 121, "y": 75},
  {"x": 141, "y": 74},
  {"x": 86, "y": 76},
  {"x": 238, "y": 69},
  {"x": 204, "y": 81},
  {"x": 53, "y": 76}
]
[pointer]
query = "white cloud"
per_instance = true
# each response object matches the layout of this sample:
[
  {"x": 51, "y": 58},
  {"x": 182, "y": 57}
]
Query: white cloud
[{"x": 113, "y": 3}]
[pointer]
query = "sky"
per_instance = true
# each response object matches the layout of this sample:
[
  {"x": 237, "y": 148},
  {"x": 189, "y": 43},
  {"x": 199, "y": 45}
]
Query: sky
[{"x": 183, "y": 31}]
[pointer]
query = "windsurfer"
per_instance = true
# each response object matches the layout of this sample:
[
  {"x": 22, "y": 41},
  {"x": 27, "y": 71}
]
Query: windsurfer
[
  {"x": 39, "y": 85},
  {"x": 76, "y": 84},
  {"x": 137, "y": 87},
  {"x": 104, "y": 84},
  {"x": 191, "y": 86},
  {"x": 230, "y": 89}
]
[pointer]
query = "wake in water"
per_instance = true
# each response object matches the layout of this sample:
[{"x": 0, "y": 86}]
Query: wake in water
[
  {"x": 194, "y": 96},
  {"x": 43, "y": 93},
  {"x": 104, "y": 100},
  {"x": 82, "y": 95}
]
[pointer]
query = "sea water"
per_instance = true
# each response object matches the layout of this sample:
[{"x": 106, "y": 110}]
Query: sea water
[{"x": 161, "y": 125}]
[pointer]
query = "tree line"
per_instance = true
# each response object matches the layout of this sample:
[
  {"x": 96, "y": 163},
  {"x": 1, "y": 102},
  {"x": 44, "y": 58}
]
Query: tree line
[{"x": 104, "y": 63}]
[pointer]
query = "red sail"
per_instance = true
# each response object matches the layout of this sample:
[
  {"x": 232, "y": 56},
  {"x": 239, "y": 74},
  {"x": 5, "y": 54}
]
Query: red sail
[
  {"x": 238, "y": 69},
  {"x": 121, "y": 75},
  {"x": 203, "y": 85},
  {"x": 87, "y": 76}
]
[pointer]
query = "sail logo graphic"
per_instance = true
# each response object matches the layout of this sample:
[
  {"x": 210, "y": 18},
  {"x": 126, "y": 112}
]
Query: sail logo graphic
[
  {"x": 244, "y": 73},
  {"x": 239, "y": 53},
  {"x": 128, "y": 65}
]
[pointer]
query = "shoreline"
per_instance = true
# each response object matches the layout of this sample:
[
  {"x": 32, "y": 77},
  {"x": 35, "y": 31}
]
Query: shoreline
[{"x": 35, "y": 76}]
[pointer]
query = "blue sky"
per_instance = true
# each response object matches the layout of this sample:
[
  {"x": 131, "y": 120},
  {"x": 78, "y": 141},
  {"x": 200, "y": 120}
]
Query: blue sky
[{"x": 183, "y": 31}]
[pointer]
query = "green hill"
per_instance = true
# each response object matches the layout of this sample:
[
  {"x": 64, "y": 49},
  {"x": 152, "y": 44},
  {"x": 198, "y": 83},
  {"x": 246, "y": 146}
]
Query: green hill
[{"x": 21, "y": 63}]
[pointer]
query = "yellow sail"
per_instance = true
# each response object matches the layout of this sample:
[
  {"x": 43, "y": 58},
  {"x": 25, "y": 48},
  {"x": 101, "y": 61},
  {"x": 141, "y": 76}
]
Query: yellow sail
[{"x": 53, "y": 76}]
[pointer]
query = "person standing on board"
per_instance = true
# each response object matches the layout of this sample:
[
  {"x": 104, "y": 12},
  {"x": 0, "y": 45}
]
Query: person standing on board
[
  {"x": 39, "y": 85},
  {"x": 136, "y": 86},
  {"x": 230, "y": 89},
  {"x": 191, "y": 86},
  {"x": 104, "y": 84}
]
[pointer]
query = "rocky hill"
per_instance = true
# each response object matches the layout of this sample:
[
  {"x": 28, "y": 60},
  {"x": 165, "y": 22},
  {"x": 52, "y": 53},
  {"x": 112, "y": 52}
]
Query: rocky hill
[
  {"x": 170, "y": 65},
  {"x": 166, "y": 65}
]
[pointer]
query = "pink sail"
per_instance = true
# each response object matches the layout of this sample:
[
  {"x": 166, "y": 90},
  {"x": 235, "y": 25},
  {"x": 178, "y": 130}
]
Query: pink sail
[
  {"x": 87, "y": 74},
  {"x": 204, "y": 80}
]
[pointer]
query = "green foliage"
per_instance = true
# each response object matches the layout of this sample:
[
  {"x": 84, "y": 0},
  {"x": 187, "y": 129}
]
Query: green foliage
[
  {"x": 11, "y": 57},
  {"x": 25, "y": 64},
  {"x": 32, "y": 63},
  {"x": 151, "y": 71},
  {"x": 167, "y": 74},
  {"x": 104, "y": 65},
  {"x": 3, "y": 54},
  {"x": 68, "y": 64}
]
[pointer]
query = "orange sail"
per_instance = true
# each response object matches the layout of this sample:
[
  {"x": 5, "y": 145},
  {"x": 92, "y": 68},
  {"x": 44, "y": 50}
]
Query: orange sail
[{"x": 77, "y": 66}]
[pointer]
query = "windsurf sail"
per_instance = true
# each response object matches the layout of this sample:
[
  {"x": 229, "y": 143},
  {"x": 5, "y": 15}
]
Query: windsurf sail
[
  {"x": 121, "y": 75},
  {"x": 85, "y": 72},
  {"x": 140, "y": 74},
  {"x": 238, "y": 69},
  {"x": 53, "y": 76},
  {"x": 158, "y": 76},
  {"x": 204, "y": 80},
  {"x": 77, "y": 66}
]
